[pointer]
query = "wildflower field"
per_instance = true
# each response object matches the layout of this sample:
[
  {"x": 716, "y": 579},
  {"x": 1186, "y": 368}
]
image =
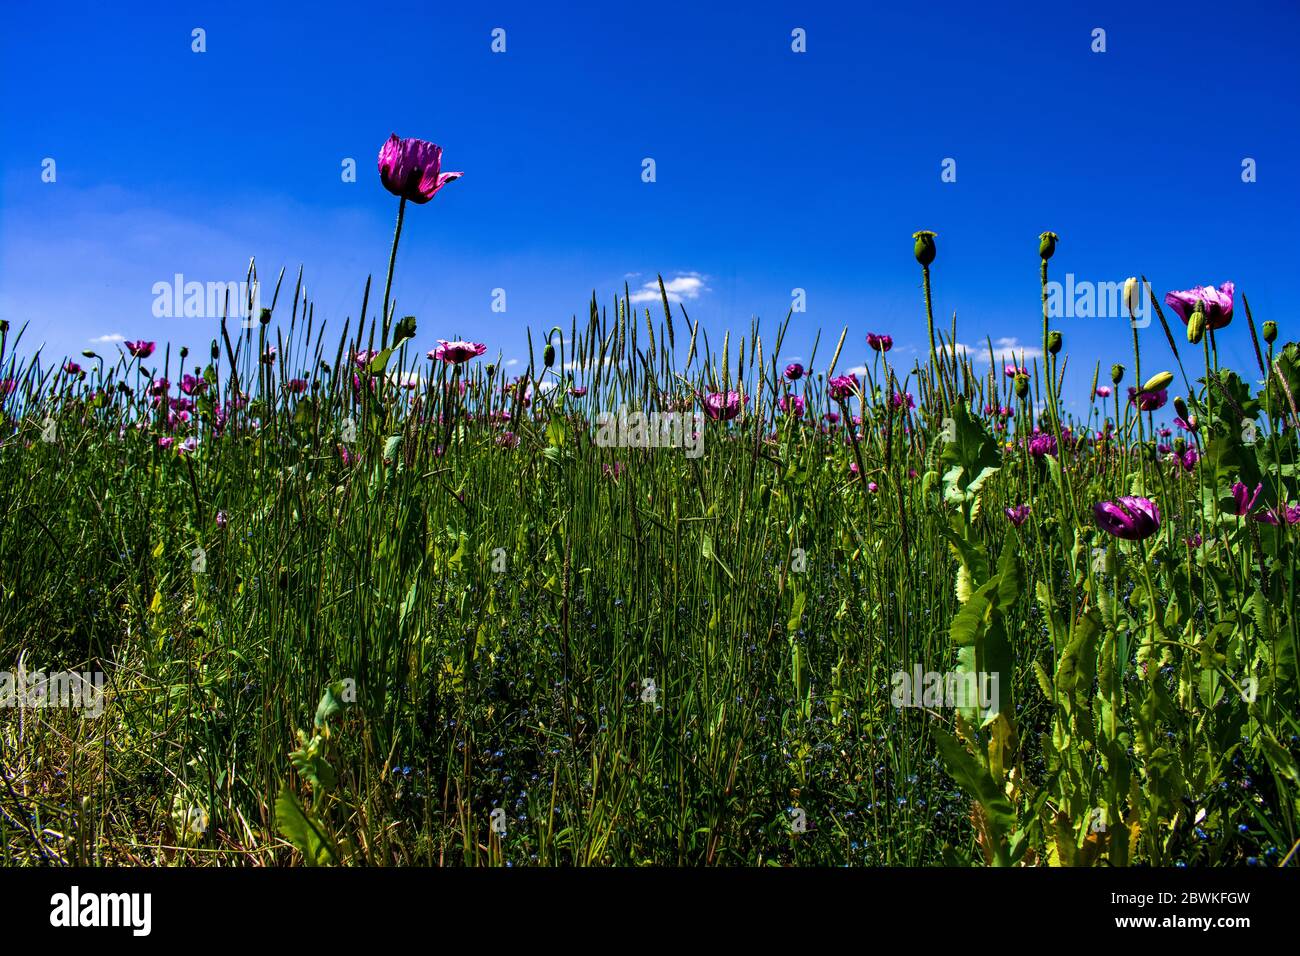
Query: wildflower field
[{"x": 360, "y": 597}]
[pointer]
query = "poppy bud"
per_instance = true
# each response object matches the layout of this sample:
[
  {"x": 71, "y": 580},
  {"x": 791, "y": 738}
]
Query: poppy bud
[
  {"x": 1132, "y": 296},
  {"x": 1022, "y": 385},
  {"x": 490, "y": 369},
  {"x": 1180, "y": 445},
  {"x": 1196, "y": 327},
  {"x": 1054, "y": 342},
  {"x": 1180, "y": 407},
  {"x": 1157, "y": 382},
  {"x": 1047, "y": 245},
  {"x": 1270, "y": 332},
  {"x": 924, "y": 247},
  {"x": 88, "y": 353},
  {"x": 265, "y": 317},
  {"x": 548, "y": 355},
  {"x": 1117, "y": 373},
  {"x": 216, "y": 351},
  {"x": 185, "y": 352}
]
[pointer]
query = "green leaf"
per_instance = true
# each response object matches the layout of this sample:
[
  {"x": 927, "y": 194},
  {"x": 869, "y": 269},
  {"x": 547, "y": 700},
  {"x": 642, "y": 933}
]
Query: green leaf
[
  {"x": 303, "y": 829},
  {"x": 972, "y": 777}
]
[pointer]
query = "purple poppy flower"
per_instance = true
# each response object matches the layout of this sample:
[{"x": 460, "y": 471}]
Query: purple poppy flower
[
  {"x": 832, "y": 417},
  {"x": 71, "y": 367},
  {"x": 1129, "y": 517},
  {"x": 1218, "y": 304},
  {"x": 794, "y": 371},
  {"x": 1244, "y": 498},
  {"x": 880, "y": 343},
  {"x": 792, "y": 405},
  {"x": 904, "y": 399},
  {"x": 1017, "y": 515},
  {"x": 1189, "y": 459},
  {"x": 457, "y": 352},
  {"x": 140, "y": 349},
  {"x": 722, "y": 407},
  {"x": 1148, "y": 401},
  {"x": 842, "y": 386},
  {"x": 412, "y": 169},
  {"x": 1103, "y": 391},
  {"x": 221, "y": 520}
]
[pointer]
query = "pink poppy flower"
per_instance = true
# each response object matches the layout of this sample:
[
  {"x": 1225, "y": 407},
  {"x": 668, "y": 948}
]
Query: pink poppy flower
[
  {"x": 722, "y": 407},
  {"x": 1218, "y": 304},
  {"x": 140, "y": 349},
  {"x": 880, "y": 343},
  {"x": 842, "y": 386},
  {"x": 794, "y": 372},
  {"x": 1128, "y": 517},
  {"x": 457, "y": 352},
  {"x": 412, "y": 169},
  {"x": 792, "y": 405}
]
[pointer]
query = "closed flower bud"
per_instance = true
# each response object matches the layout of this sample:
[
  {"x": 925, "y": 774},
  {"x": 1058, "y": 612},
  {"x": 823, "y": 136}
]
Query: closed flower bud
[
  {"x": 490, "y": 369},
  {"x": 548, "y": 355},
  {"x": 1196, "y": 327},
  {"x": 1022, "y": 385},
  {"x": 1054, "y": 342},
  {"x": 1180, "y": 446},
  {"x": 924, "y": 247},
  {"x": 185, "y": 352},
  {"x": 1132, "y": 294},
  {"x": 1117, "y": 373},
  {"x": 265, "y": 317},
  {"x": 1270, "y": 332},
  {"x": 1047, "y": 244},
  {"x": 216, "y": 350},
  {"x": 1157, "y": 382},
  {"x": 1180, "y": 407}
]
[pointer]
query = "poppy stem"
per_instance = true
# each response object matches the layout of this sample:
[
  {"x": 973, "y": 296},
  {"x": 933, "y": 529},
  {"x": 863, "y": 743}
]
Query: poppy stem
[{"x": 392, "y": 260}]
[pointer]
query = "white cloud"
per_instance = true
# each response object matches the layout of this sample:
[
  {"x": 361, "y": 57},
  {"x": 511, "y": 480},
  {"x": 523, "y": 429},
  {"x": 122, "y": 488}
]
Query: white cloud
[
  {"x": 1006, "y": 349},
  {"x": 685, "y": 285},
  {"x": 859, "y": 370},
  {"x": 510, "y": 362},
  {"x": 109, "y": 339}
]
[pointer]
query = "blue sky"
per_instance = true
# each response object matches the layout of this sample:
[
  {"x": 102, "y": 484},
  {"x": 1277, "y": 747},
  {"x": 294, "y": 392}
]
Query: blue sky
[{"x": 775, "y": 170}]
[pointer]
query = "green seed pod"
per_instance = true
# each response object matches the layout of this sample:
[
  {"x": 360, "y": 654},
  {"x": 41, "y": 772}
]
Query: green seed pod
[
  {"x": 265, "y": 317},
  {"x": 490, "y": 369},
  {"x": 548, "y": 355},
  {"x": 1158, "y": 381},
  {"x": 185, "y": 352},
  {"x": 1047, "y": 244},
  {"x": 924, "y": 247},
  {"x": 1022, "y": 385},
  {"x": 1196, "y": 327},
  {"x": 1117, "y": 373},
  {"x": 216, "y": 350},
  {"x": 1054, "y": 342},
  {"x": 1270, "y": 332}
]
